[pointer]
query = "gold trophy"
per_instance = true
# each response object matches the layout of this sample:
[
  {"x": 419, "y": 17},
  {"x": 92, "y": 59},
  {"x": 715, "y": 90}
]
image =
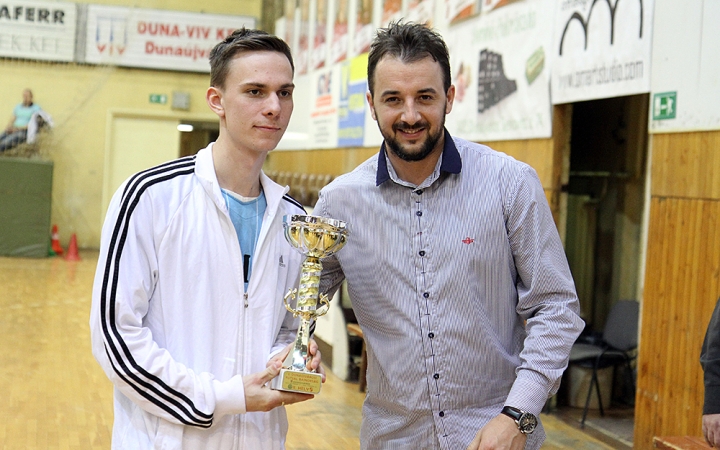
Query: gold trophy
[{"x": 315, "y": 237}]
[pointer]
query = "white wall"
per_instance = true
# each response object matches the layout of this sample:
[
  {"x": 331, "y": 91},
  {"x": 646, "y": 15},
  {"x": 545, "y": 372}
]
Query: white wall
[{"x": 686, "y": 61}]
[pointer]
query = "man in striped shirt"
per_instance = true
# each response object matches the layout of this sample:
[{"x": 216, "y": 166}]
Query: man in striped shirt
[{"x": 454, "y": 268}]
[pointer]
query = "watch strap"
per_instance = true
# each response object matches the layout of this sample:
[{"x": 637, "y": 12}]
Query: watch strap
[{"x": 513, "y": 413}]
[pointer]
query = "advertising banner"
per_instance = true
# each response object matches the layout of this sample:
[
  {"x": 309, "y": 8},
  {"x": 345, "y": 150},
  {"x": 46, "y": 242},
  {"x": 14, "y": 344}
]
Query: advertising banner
[
  {"x": 340, "y": 38},
  {"x": 601, "y": 49},
  {"x": 421, "y": 11},
  {"x": 285, "y": 25},
  {"x": 352, "y": 105},
  {"x": 38, "y": 30},
  {"x": 320, "y": 41},
  {"x": 457, "y": 10},
  {"x": 135, "y": 37},
  {"x": 391, "y": 11},
  {"x": 364, "y": 28},
  {"x": 299, "y": 133},
  {"x": 302, "y": 52},
  {"x": 324, "y": 108},
  {"x": 501, "y": 73}
]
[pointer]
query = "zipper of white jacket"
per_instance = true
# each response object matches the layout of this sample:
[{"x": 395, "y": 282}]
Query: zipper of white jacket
[{"x": 246, "y": 299}]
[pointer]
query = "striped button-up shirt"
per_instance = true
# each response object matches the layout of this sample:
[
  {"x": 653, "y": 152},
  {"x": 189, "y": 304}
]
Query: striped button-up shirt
[{"x": 463, "y": 292}]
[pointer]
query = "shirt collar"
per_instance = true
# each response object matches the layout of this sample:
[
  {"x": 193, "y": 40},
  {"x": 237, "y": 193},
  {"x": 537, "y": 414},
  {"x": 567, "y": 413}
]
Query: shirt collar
[{"x": 450, "y": 161}]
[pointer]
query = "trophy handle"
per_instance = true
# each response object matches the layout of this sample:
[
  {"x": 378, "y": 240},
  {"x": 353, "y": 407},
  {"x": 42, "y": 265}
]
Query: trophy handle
[
  {"x": 324, "y": 306},
  {"x": 291, "y": 296}
]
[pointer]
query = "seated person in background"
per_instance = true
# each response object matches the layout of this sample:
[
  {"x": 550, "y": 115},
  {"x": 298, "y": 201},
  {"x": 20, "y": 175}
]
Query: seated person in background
[{"x": 16, "y": 131}]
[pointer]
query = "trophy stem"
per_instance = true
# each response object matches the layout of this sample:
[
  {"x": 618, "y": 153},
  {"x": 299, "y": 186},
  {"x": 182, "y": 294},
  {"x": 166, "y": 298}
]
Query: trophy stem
[
  {"x": 309, "y": 286},
  {"x": 297, "y": 359},
  {"x": 306, "y": 309}
]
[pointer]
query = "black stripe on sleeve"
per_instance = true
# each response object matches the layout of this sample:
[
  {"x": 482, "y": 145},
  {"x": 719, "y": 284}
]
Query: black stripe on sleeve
[{"x": 146, "y": 384}]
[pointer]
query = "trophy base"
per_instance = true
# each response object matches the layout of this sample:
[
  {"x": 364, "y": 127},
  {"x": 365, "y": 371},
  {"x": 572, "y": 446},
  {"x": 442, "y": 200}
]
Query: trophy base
[{"x": 294, "y": 381}]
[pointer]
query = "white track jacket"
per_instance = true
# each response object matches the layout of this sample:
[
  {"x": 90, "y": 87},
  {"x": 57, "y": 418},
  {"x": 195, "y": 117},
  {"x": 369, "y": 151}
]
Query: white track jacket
[{"x": 170, "y": 322}]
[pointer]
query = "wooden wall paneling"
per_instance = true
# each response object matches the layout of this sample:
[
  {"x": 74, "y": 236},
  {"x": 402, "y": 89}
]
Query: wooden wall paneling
[
  {"x": 681, "y": 283},
  {"x": 657, "y": 312},
  {"x": 686, "y": 165},
  {"x": 323, "y": 161},
  {"x": 681, "y": 287},
  {"x": 536, "y": 152}
]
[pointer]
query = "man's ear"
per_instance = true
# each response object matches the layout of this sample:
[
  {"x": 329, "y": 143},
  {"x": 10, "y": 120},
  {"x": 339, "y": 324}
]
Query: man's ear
[
  {"x": 450, "y": 99},
  {"x": 214, "y": 99},
  {"x": 368, "y": 95}
]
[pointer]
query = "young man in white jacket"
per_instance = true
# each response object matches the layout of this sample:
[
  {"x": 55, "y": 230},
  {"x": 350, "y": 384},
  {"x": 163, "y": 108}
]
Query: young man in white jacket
[{"x": 187, "y": 318}]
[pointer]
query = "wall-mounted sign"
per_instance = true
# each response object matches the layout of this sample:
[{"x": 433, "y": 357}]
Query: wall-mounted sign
[
  {"x": 158, "y": 98},
  {"x": 136, "y": 37},
  {"x": 38, "y": 30},
  {"x": 601, "y": 49},
  {"x": 664, "y": 105}
]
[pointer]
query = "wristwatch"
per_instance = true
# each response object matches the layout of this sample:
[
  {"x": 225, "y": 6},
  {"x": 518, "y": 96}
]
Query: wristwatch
[{"x": 525, "y": 421}]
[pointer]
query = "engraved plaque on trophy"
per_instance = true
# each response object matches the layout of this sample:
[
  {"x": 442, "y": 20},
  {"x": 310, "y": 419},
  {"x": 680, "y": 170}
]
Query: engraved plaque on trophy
[{"x": 316, "y": 238}]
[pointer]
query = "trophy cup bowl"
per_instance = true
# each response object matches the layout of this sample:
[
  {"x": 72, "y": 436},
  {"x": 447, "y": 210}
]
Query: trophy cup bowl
[{"x": 316, "y": 238}]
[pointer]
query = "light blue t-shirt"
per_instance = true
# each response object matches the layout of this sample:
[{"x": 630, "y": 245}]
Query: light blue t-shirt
[
  {"x": 23, "y": 114},
  {"x": 246, "y": 215}
]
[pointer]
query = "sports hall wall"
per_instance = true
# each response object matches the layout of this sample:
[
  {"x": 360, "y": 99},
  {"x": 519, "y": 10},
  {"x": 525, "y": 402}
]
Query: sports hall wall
[
  {"x": 84, "y": 100},
  {"x": 679, "y": 280},
  {"x": 676, "y": 207},
  {"x": 682, "y": 269}
]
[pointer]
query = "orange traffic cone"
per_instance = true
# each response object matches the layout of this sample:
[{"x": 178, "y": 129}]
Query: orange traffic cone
[
  {"x": 55, "y": 241},
  {"x": 72, "y": 254}
]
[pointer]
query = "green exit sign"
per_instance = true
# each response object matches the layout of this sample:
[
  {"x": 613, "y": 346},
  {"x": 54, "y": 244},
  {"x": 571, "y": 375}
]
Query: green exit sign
[
  {"x": 158, "y": 98},
  {"x": 664, "y": 105}
]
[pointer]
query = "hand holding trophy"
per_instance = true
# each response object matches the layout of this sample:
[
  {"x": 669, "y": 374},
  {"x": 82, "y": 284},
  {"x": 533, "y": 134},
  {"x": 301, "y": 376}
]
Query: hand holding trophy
[{"x": 316, "y": 238}]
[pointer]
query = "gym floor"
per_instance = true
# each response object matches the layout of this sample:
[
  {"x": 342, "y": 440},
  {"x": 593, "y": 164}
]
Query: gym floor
[{"x": 57, "y": 397}]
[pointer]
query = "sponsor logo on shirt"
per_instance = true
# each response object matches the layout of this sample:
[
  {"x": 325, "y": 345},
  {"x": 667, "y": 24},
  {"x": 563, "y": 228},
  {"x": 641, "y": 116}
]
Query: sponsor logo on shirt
[{"x": 282, "y": 264}]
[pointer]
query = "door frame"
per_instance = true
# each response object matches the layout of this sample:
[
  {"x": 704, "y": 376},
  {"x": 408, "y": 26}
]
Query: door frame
[{"x": 124, "y": 113}]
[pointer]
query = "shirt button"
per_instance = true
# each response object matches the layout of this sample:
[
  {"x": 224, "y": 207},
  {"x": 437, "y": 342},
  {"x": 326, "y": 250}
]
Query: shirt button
[
  {"x": 431, "y": 335},
  {"x": 442, "y": 413},
  {"x": 418, "y": 213},
  {"x": 421, "y": 253},
  {"x": 419, "y": 192},
  {"x": 426, "y": 295},
  {"x": 436, "y": 376}
]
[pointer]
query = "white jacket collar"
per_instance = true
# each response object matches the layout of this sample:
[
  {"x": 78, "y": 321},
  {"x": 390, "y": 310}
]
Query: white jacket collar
[{"x": 205, "y": 171}]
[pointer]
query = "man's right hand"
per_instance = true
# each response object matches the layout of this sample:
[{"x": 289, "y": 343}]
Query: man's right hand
[
  {"x": 711, "y": 429},
  {"x": 259, "y": 396}
]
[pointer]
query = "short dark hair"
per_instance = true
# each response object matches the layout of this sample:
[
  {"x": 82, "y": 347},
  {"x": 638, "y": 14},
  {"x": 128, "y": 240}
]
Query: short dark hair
[
  {"x": 409, "y": 42},
  {"x": 243, "y": 40}
]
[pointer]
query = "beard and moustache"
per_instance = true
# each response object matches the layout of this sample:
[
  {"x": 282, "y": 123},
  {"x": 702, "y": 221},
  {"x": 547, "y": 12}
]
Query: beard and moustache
[{"x": 427, "y": 147}]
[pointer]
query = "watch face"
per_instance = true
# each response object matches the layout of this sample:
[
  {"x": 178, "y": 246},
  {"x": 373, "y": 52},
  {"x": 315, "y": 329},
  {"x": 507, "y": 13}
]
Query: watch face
[{"x": 527, "y": 423}]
